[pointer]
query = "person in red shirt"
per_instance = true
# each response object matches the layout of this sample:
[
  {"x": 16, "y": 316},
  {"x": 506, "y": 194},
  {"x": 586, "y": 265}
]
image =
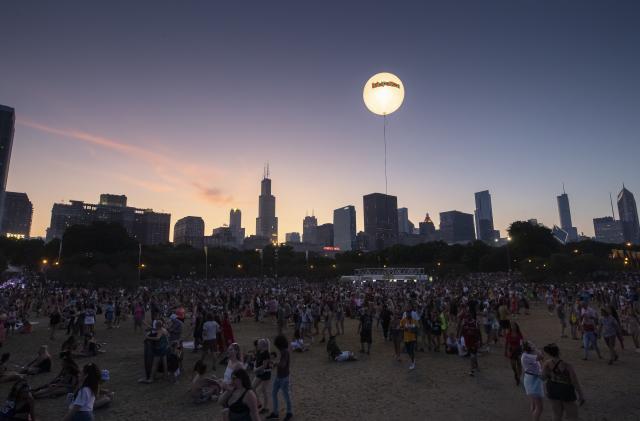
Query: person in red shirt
[
  {"x": 471, "y": 333},
  {"x": 513, "y": 349}
]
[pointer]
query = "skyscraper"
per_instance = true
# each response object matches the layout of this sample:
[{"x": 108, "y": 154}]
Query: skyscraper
[
  {"x": 235, "y": 225},
  {"x": 325, "y": 235},
  {"x": 456, "y": 227},
  {"x": 628, "y": 213},
  {"x": 381, "y": 220},
  {"x": 267, "y": 222},
  {"x": 18, "y": 211},
  {"x": 7, "y": 126},
  {"x": 565, "y": 217},
  {"x": 344, "y": 228},
  {"x": 310, "y": 230},
  {"x": 189, "y": 230},
  {"x": 403, "y": 221},
  {"x": 608, "y": 230},
  {"x": 484, "y": 217}
]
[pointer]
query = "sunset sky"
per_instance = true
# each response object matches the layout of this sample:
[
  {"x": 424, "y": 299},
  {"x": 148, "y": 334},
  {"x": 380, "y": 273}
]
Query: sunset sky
[{"x": 178, "y": 105}]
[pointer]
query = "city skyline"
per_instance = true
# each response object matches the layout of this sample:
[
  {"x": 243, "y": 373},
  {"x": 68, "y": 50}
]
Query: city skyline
[{"x": 491, "y": 103}]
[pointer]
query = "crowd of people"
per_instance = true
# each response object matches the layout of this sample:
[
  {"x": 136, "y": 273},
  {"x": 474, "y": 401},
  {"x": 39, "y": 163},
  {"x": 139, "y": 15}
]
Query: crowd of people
[{"x": 463, "y": 316}]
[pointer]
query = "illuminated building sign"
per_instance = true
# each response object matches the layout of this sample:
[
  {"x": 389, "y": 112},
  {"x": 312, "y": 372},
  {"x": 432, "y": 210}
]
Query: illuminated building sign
[
  {"x": 17, "y": 236},
  {"x": 329, "y": 248}
]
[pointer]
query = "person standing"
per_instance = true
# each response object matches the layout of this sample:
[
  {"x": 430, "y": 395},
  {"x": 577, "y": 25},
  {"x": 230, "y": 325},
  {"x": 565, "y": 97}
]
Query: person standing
[
  {"x": 409, "y": 326},
  {"x": 609, "y": 330},
  {"x": 210, "y": 330},
  {"x": 589, "y": 322},
  {"x": 281, "y": 381},
  {"x": 470, "y": 331},
  {"x": 563, "y": 388},
  {"x": 365, "y": 329}
]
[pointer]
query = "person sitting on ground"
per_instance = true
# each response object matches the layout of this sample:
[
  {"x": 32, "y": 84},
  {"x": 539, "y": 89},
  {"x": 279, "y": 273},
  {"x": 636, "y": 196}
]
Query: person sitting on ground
[
  {"x": 451, "y": 346},
  {"x": 203, "y": 389},
  {"x": 69, "y": 345},
  {"x": 25, "y": 326},
  {"x": 298, "y": 345},
  {"x": 240, "y": 402},
  {"x": 65, "y": 382},
  {"x": 20, "y": 404},
  {"x": 335, "y": 354},
  {"x": 41, "y": 364},
  {"x": 6, "y": 375},
  {"x": 81, "y": 408},
  {"x": 105, "y": 396}
]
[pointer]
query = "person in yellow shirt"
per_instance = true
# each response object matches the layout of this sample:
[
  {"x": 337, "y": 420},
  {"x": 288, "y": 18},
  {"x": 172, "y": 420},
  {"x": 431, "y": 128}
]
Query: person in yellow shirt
[{"x": 409, "y": 326}]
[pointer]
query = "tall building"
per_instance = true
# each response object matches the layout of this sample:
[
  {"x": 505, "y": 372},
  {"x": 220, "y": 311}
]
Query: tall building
[
  {"x": 484, "y": 217},
  {"x": 628, "y": 213},
  {"x": 381, "y": 220},
  {"x": 310, "y": 230},
  {"x": 235, "y": 225},
  {"x": 325, "y": 235},
  {"x": 292, "y": 237},
  {"x": 344, "y": 228},
  {"x": 428, "y": 229},
  {"x": 7, "y": 127},
  {"x": 189, "y": 230},
  {"x": 18, "y": 212},
  {"x": 403, "y": 221},
  {"x": 608, "y": 230},
  {"x": 565, "y": 218},
  {"x": 267, "y": 222},
  {"x": 145, "y": 225},
  {"x": 456, "y": 227}
]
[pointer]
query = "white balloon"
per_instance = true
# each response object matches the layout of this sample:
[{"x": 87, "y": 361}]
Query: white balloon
[{"x": 383, "y": 93}]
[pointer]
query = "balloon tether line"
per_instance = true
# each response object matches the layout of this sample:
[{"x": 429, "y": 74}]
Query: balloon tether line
[{"x": 384, "y": 119}]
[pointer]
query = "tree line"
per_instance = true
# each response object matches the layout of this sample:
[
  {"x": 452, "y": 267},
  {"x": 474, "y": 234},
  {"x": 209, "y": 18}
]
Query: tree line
[{"x": 104, "y": 254}]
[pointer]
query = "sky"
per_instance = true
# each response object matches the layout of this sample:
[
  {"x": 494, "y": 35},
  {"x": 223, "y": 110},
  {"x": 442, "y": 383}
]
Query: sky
[{"x": 179, "y": 105}]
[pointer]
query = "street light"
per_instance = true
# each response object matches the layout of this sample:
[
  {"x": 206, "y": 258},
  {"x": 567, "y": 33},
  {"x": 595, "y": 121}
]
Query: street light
[{"x": 45, "y": 261}]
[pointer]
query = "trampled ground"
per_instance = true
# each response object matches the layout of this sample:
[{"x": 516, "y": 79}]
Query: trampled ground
[{"x": 374, "y": 388}]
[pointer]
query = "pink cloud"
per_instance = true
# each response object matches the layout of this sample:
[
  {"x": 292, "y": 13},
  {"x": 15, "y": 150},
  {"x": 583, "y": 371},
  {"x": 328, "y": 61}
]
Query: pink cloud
[{"x": 174, "y": 173}]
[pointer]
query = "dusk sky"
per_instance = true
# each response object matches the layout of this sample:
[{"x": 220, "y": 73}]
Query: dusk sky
[{"x": 178, "y": 105}]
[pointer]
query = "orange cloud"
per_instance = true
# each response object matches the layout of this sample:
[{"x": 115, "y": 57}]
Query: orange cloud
[{"x": 174, "y": 173}]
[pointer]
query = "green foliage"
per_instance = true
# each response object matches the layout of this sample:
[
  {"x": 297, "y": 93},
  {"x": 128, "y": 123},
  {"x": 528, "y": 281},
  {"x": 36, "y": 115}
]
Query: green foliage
[{"x": 103, "y": 254}]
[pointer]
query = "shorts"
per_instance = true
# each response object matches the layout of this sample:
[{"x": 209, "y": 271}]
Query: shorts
[
  {"x": 209, "y": 344},
  {"x": 533, "y": 385}
]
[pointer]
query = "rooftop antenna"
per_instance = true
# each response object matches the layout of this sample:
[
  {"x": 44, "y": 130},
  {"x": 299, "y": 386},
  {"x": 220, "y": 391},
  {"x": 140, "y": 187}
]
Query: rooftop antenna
[
  {"x": 612, "y": 211},
  {"x": 267, "y": 170},
  {"x": 563, "y": 192}
]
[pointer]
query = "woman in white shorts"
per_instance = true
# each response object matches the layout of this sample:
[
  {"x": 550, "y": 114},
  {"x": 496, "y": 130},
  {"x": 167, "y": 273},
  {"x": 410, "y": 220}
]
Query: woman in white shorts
[{"x": 533, "y": 384}]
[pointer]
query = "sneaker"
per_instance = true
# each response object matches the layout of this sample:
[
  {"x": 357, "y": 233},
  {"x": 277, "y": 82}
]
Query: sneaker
[
  {"x": 288, "y": 417},
  {"x": 412, "y": 366},
  {"x": 272, "y": 416}
]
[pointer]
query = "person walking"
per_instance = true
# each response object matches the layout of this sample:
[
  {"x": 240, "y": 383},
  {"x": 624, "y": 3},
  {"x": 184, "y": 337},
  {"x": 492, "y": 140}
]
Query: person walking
[
  {"x": 409, "y": 327},
  {"x": 533, "y": 384},
  {"x": 609, "y": 330},
  {"x": 562, "y": 386},
  {"x": 281, "y": 382}
]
